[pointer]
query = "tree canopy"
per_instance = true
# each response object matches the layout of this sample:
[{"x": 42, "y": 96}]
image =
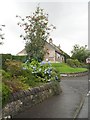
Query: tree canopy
[
  {"x": 80, "y": 53},
  {"x": 37, "y": 31}
]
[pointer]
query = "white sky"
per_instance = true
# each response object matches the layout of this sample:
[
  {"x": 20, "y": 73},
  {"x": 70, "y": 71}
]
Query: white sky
[{"x": 69, "y": 16}]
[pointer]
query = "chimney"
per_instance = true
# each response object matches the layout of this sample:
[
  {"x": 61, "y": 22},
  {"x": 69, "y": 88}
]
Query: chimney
[
  {"x": 50, "y": 41},
  {"x": 59, "y": 46}
]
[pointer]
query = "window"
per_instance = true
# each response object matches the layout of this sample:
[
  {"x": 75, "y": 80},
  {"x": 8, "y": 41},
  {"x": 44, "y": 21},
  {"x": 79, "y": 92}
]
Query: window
[{"x": 58, "y": 55}]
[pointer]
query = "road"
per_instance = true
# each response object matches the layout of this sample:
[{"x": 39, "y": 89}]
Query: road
[
  {"x": 64, "y": 105},
  {"x": 81, "y": 85},
  {"x": 78, "y": 83}
]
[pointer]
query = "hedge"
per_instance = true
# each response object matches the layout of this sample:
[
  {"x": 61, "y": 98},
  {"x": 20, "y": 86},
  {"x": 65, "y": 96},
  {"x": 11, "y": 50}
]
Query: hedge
[{"x": 4, "y": 57}]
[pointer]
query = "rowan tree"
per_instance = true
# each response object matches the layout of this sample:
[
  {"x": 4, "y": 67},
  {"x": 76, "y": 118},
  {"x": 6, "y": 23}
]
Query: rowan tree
[{"x": 37, "y": 31}]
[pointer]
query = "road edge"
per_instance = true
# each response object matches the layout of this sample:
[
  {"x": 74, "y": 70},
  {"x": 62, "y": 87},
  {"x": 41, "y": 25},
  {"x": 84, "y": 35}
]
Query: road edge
[{"x": 79, "y": 108}]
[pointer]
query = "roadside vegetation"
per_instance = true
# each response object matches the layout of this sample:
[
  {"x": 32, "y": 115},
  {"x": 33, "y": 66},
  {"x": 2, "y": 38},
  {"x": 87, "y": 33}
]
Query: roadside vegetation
[
  {"x": 80, "y": 53},
  {"x": 17, "y": 76}
]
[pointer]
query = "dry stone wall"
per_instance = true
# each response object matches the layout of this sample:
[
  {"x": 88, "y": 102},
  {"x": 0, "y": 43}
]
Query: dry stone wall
[{"x": 19, "y": 101}]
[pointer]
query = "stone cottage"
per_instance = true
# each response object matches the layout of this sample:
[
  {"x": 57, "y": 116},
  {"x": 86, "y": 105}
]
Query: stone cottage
[{"x": 53, "y": 52}]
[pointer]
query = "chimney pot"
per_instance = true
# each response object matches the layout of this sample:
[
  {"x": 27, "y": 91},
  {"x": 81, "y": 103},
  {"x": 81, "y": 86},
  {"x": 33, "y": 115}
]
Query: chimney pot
[{"x": 50, "y": 41}]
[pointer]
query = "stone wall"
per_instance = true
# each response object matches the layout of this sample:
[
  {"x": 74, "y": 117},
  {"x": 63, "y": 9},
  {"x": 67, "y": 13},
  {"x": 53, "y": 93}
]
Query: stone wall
[{"x": 19, "y": 101}]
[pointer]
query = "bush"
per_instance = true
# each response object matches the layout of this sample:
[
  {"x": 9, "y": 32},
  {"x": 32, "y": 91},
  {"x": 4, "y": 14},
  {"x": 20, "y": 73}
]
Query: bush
[
  {"x": 20, "y": 76},
  {"x": 11, "y": 86},
  {"x": 77, "y": 63},
  {"x": 70, "y": 62},
  {"x": 14, "y": 71},
  {"x": 4, "y": 58},
  {"x": 20, "y": 58},
  {"x": 73, "y": 63},
  {"x": 28, "y": 78},
  {"x": 55, "y": 74},
  {"x": 5, "y": 75},
  {"x": 13, "y": 67},
  {"x": 15, "y": 84},
  {"x": 5, "y": 93},
  {"x": 42, "y": 71}
]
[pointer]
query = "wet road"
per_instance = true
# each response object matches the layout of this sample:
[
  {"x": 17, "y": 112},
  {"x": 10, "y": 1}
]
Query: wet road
[
  {"x": 64, "y": 105},
  {"x": 78, "y": 83},
  {"x": 81, "y": 85}
]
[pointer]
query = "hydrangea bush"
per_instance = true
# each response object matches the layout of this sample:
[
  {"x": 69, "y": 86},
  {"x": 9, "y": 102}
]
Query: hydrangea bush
[{"x": 43, "y": 70}]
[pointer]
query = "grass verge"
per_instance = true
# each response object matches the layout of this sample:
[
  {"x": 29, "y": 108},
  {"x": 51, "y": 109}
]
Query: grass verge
[{"x": 64, "y": 68}]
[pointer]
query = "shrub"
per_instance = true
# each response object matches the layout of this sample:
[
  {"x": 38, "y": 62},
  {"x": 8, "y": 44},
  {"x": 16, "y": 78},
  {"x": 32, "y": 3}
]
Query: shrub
[
  {"x": 15, "y": 85},
  {"x": 70, "y": 62},
  {"x": 4, "y": 58},
  {"x": 5, "y": 93},
  {"x": 0, "y": 93},
  {"x": 73, "y": 63},
  {"x": 0, "y": 61},
  {"x": 11, "y": 86},
  {"x": 42, "y": 71},
  {"x": 15, "y": 71},
  {"x": 77, "y": 63},
  {"x": 55, "y": 74},
  {"x": 20, "y": 76},
  {"x": 13, "y": 67},
  {"x": 5, "y": 75},
  {"x": 28, "y": 78},
  {"x": 19, "y": 58}
]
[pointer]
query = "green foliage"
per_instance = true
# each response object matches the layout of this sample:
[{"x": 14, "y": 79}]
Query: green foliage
[
  {"x": 15, "y": 71},
  {"x": 0, "y": 61},
  {"x": 65, "y": 68},
  {"x": 73, "y": 63},
  {"x": 0, "y": 93},
  {"x": 5, "y": 93},
  {"x": 20, "y": 76},
  {"x": 36, "y": 33},
  {"x": 19, "y": 58},
  {"x": 70, "y": 62},
  {"x": 77, "y": 63},
  {"x": 42, "y": 71},
  {"x": 4, "y": 58},
  {"x": 28, "y": 78},
  {"x": 16, "y": 84},
  {"x": 80, "y": 53},
  {"x": 13, "y": 67},
  {"x": 5, "y": 75}
]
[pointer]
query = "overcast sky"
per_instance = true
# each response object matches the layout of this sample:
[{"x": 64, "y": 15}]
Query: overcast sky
[{"x": 69, "y": 17}]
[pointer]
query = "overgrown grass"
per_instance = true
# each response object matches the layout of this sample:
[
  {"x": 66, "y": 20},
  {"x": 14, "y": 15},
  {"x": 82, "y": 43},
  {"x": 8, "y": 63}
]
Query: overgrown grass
[{"x": 64, "y": 68}]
